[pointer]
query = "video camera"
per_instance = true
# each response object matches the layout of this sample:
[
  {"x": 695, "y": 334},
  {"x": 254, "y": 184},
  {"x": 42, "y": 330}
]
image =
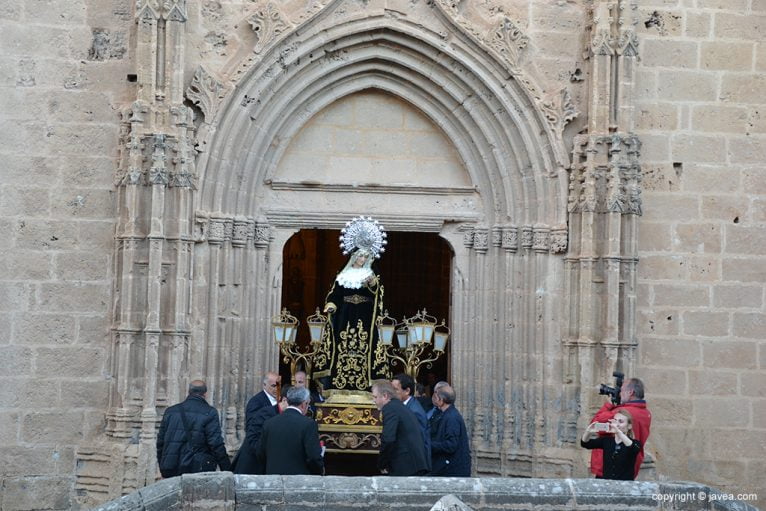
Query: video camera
[{"x": 613, "y": 392}]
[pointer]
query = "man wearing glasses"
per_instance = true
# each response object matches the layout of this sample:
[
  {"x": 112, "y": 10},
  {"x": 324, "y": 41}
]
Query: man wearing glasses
[{"x": 266, "y": 397}]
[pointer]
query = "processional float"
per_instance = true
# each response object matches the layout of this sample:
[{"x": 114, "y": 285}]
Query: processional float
[{"x": 355, "y": 342}]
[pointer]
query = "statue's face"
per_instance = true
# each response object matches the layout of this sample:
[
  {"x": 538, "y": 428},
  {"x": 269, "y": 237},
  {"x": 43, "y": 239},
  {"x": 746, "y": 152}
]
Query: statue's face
[{"x": 360, "y": 260}]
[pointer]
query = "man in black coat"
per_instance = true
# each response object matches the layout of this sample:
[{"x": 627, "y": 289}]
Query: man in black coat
[
  {"x": 450, "y": 452},
  {"x": 188, "y": 428},
  {"x": 404, "y": 386},
  {"x": 289, "y": 443},
  {"x": 266, "y": 397},
  {"x": 246, "y": 461},
  {"x": 402, "y": 452}
]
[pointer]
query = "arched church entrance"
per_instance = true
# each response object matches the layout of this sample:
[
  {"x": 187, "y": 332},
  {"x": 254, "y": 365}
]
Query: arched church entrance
[{"x": 415, "y": 270}]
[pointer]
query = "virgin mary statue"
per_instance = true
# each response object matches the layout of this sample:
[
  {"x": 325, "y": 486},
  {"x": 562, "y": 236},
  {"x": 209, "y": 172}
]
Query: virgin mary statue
[{"x": 351, "y": 357}]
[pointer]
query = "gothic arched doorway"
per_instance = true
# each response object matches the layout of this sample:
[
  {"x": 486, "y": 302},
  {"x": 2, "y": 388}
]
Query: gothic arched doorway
[{"x": 415, "y": 270}]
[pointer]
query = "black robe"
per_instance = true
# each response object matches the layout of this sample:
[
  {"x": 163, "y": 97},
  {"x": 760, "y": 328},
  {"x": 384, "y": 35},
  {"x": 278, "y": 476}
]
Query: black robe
[{"x": 351, "y": 357}]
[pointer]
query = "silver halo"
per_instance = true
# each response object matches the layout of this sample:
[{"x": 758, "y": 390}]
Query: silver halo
[{"x": 363, "y": 233}]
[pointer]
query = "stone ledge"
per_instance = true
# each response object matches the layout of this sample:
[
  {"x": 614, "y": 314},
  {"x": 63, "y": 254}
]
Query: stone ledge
[{"x": 225, "y": 491}]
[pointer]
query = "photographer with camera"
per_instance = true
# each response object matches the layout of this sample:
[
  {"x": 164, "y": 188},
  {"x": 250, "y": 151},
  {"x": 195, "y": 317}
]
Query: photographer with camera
[
  {"x": 618, "y": 447},
  {"x": 628, "y": 396}
]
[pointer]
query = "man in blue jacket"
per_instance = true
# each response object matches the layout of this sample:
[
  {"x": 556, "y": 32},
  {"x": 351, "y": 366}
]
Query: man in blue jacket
[
  {"x": 190, "y": 437},
  {"x": 450, "y": 452}
]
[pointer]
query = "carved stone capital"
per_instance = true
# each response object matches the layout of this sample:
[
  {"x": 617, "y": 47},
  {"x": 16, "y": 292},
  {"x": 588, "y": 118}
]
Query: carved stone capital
[
  {"x": 540, "y": 238},
  {"x": 468, "y": 238},
  {"x": 216, "y": 232},
  {"x": 481, "y": 240},
  {"x": 526, "y": 237},
  {"x": 510, "y": 238},
  {"x": 240, "y": 231},
  {"x": 261, "y": 233},
  {"x": 559, "y": 240}
]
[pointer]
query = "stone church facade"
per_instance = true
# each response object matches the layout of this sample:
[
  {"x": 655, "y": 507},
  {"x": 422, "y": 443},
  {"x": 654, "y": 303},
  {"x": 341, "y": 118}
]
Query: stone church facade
[{"x": 595, "y": 166}]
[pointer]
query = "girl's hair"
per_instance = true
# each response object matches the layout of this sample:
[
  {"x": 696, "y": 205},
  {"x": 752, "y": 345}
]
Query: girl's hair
[{"x": 628, "y": 416}]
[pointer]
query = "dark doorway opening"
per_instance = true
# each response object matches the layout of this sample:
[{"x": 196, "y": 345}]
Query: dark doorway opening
[{"x": 415, "y": 272}]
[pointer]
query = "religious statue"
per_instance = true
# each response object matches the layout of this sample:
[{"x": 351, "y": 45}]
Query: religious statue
[{"x": 351, "y": 357}]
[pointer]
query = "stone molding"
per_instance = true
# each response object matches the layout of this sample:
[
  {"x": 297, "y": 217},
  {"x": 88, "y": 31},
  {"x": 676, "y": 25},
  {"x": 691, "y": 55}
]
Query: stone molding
[
  {"x": 227, "y": 491},
  {"x": 538, "y": 238},
  {"x": 372, "y": 188}
]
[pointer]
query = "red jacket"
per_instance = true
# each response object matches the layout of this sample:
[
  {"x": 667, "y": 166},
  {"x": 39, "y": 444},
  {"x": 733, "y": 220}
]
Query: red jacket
[{"x": 642, "y": 421}]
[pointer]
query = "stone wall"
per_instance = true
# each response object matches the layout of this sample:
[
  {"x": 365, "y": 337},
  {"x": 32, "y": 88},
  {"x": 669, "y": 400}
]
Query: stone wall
[
  {"x": 63, "y": 76},
  {"x": 228, "y": 492},
  {"x": 701, "y": 115},
  {"x": 68, "y": 69}
]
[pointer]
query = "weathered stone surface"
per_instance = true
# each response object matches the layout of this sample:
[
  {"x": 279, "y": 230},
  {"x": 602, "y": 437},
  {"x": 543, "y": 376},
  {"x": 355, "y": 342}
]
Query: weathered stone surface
[
  {"x": 744, "y": 269},
  {"x": 715, "y": 383},
  {"x": 726, "y": 56},
  {"x": 697, "y": 24},
  {"x": 697, "y": 237},
  {"x": 36, "y": 329},
  {"x": 52, "y": 428},
  {"x": 737, "y": 296},
  {"x": 686, "y": 86},
  {"x": 749, "y": 325},
  {"x": 726, "y": 354},
  {"x": 72, "y": 296},
  {"x": 703, "y": 149},
  {"x": 705, "y": 323},
  {"x": 671, "y": 352},
  {"x": 729, "y": 208},
  {"x": 70, "y": 361},
  {"x": 680, "y": 296},
  {"x": 9, "y": 428},
  {"x": 669, "y": 53},
  {"x": 35, "y": 493},
  {"x": 739, "y": 26}
]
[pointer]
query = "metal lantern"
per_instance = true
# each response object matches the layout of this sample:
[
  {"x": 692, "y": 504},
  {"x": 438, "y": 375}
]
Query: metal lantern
[
  {"x": 441, "y": 334},
  {"x": 317, "y": 324},
  {"x": 386, "y": 328},
  {"x": 402, "y": 334},
  {"x": 285, "y": 327}
]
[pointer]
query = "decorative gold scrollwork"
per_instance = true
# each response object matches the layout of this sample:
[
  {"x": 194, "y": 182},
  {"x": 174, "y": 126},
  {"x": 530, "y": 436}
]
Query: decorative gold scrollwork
[
  {"x": 351, "y": 441},
  {"x": 349, "y": 416}
]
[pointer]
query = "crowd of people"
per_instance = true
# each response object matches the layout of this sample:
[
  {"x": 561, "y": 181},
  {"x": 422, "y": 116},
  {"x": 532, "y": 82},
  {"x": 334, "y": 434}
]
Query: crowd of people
[
  {"x": 416, "y": 440},
  {"x": 282, "y": 438}
]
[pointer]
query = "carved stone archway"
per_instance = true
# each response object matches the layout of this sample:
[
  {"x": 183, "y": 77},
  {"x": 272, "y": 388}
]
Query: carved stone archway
[{"x": 199, "y": 242}]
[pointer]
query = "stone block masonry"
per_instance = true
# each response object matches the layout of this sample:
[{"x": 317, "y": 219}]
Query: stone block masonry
[{"x": 225, "y": 491}]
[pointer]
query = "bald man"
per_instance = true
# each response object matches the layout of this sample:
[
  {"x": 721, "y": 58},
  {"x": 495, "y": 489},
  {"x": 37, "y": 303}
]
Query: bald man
[
  {"x": 190, "y": 438},
  {"x": 266, "y": 397}
]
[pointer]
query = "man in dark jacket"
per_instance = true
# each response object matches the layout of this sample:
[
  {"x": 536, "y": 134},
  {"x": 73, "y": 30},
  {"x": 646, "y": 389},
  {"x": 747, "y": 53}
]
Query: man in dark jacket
[
  {"x": 190, "y": 437},
  {"x": 402, "y": 452},
  {"x": 404, "y": 386},
  {"x": 289, "y": 443},
  {"x": 246, "y": 461},
  {"x": 450, "y": 452},
  {"x": 266, "y": 397}
]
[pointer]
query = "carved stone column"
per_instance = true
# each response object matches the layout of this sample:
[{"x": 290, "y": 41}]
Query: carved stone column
[{"x": 604, "y": 203}]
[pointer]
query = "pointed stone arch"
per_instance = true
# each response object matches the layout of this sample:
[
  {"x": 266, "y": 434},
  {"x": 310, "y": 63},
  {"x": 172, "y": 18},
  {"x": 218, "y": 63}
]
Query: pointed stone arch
[
  {"x": 517, "y": 161},
  {"x": 508, "y": 269}
]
